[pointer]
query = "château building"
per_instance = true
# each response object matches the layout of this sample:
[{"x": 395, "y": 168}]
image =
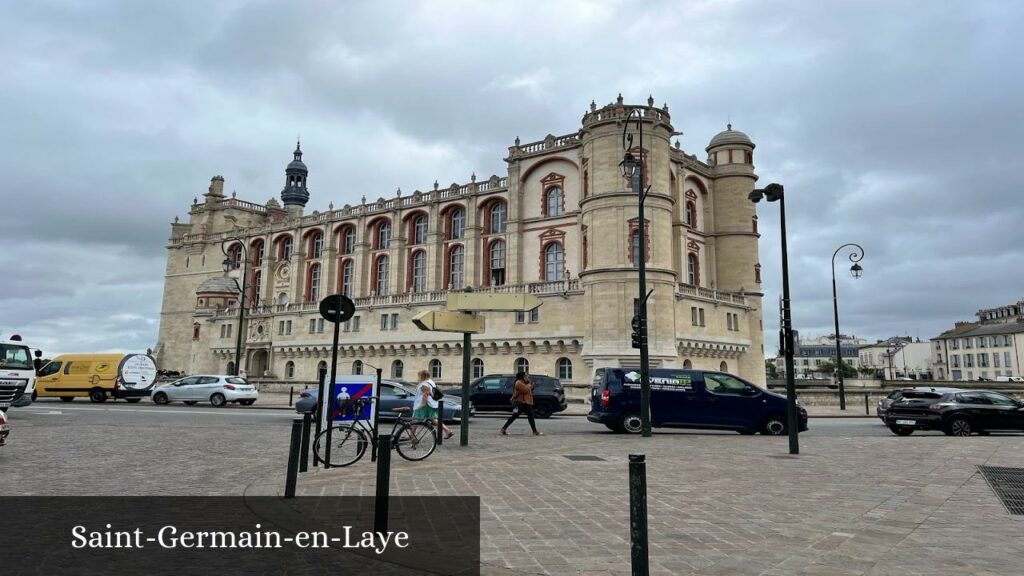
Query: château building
[{"x": 562, "y": 224}]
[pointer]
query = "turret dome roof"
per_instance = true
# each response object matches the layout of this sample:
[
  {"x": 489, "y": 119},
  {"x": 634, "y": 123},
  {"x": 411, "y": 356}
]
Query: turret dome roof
[{"x": 730, "y": 136}]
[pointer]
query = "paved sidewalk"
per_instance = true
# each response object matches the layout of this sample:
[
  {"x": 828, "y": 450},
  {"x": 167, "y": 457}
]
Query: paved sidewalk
[{"x": 721, "y": 504}]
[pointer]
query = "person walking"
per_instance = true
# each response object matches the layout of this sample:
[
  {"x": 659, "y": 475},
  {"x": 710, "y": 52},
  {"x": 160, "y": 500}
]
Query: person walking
[
  {"x": 522, "y": 402},
  {"x": 425, "y": 406}
]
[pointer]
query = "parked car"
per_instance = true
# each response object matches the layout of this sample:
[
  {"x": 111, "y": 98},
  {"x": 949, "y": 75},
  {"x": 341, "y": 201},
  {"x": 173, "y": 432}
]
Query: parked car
[
  {"x": 392, "y": 395},
  {"x": 688, "y": 399},
  {"x": 895, "y": 395},
  {"x": 217, "y": 389},
  {"x": 1009, "y": 379},
  {"x": 959, "y": 413},
  {"x": 5, "y": 428},
  {"x": 493, "y": 393}
]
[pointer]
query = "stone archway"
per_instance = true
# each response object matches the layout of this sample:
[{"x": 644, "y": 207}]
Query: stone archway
[{"x": 259, "y": 364}]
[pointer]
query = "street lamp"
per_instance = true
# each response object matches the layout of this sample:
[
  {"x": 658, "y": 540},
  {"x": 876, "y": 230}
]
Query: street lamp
[
  {"x": 775, "y": 192},
  {"x": 231, "y": 266},
  {"x": 856, "y": 255},
  {"x": 633, "y": 169}
]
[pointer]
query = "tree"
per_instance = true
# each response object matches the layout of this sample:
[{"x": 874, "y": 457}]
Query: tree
[{"x": 829, "y": 368}]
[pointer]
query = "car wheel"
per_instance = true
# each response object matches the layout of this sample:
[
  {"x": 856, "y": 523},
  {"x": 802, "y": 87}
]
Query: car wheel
[
  {"x": 542, "y": 410},
  {"x": 132, "y": 400},
  {"x": 774, "y": 426},
  {"x": 959, "y": 426},
  {"x": 218, "y": 400},
  {"x": 160, "y": 398},
  {"x": 67, "y": 398},
  {"x": 190, "y": 402},
  {"x": 246, "y": 402},
  {"x": 631, "y": 424},
  {"x": 901, "y": 430},
  {"x": 97, "y": 395}
]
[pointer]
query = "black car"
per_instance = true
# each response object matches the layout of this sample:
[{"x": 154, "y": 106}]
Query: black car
[
  {"x": 896, "y": 395},
  {"x": 493, "y": 393},
  {"x": 955, "y": 413}
]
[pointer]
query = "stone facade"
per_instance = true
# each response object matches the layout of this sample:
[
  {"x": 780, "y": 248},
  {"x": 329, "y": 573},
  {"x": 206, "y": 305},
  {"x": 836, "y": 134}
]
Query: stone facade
[
  {"x": 988, "y": 348},
  {"x": 560, "y": 224}
]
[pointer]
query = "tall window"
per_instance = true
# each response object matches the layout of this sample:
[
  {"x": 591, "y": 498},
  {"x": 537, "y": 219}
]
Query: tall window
[
  {"x": 257, "y": 253},
  {"x": 478, "y": 368},
  {"x": 382, "y": 275},
  {"x": 564, "y": 369},
  {"x": 257, "y": 285},
  {"x": 553, "y": 202},
  {"x": 289, "y": 369},
  {"x": 691, "y": 214},
  {"x": 317, "y": 245},
  {"x": 314, "y": 283},
  {"x": 522, "y": 365},
  {"x": 235, "y": 255},
  {"x": 286, "y": 248},
  {"x": 383, "y": 235},
  {"x": 435, "y": 369},
  {"x": 692, "y": 269},
  {"x": 458, "y": 226},
  {"x": 348, "y": 240},
  {"x": 635, "y": 247},
  {"x": 419, "y": 271},
  {"x": 397, "y": 369},
  {"x": 498, "y": 218},
  {"x": 419, "y": 230},
  {"x": 497, "y": 260},
  {"x": 347, "y": 268},
  {"x": 554, "y": 262},
  {"x": 456, "y": 261},
  {"x": 357, "y": 367}
]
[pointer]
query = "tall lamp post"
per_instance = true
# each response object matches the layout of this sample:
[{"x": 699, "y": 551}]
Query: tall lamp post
[
  {"x": 856, "y": 255},
  {"x": 231, "y": 269},
  {"x": 775, "y": 192},
  {"x": 633, "y": 169}
]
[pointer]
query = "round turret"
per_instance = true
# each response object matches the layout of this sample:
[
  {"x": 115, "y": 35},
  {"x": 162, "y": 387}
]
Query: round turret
[
  {"x": 294, "y": 195},
  {"x": 729, "y": 136}
]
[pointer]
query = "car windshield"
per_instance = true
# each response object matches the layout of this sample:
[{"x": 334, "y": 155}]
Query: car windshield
[
  {"x": 14, "y": 357},
  {"x": 236, "y": 380}
]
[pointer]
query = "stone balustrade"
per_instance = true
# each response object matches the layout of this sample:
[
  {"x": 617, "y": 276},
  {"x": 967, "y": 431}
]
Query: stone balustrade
[{"x": 689, "y": 291}]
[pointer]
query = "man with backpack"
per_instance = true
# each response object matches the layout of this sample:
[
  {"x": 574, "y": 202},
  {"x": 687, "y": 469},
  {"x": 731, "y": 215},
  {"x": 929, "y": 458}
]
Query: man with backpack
[{"x": 425, "y": 406}]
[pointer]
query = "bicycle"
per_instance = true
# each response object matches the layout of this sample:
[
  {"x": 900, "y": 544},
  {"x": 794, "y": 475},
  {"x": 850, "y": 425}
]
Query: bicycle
[{"x": 414, "y": 440}]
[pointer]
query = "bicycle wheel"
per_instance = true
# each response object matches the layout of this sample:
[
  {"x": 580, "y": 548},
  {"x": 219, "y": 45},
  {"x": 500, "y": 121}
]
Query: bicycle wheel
[
  {"x": 415, "y": 441},
  {"x": 348, "y": 444}
]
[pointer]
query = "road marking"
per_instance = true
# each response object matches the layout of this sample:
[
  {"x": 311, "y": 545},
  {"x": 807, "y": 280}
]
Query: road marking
[
  {"x": 44, "y": 413},
  {"x": 180, "y": 411}
]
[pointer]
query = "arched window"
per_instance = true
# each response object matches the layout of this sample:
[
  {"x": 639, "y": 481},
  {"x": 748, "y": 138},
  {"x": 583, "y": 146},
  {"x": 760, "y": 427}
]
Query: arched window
[
  {"x": 497, "y": 263},
  {"x": 723, "y": 367},
  {"x": 691, "y": 214},
  {"x": 553, "y": 201},
  {"x": 687, "y": 364},
  {"x": 383, "y": 235},
  {"x": 554, "y": 262},
  {"x": 457, "y": 227},
  {"x": 286, "y": 248},
  {"x": 419, "y": 230},
  {"x": 564, "y": 369},
  {"x": 257, "y": 253},
  {"x": 435, "y": 369},
  {"x": 381, "y": 284},
  {"x": 521, "y": 365},
  {"x": 357, "y": 367},
  {"x": 313, "y": 291},
  {"x": 289, "y": 369},
  {"x": 195, "y": 331},
  {"x": 634, "y": 248},
  {"x": 692, "y": 269},
  {"x": 498, "y": 218},
  {"x": 397, "y": 368},
  {"x": 478, "y": 368},
  {"x": 316, "y": 245},
  {"x": 230, "y": 368},
  {"x": 235, "y": 255},
  {"x": 257, "y": 287},
  {"x": 282, "y": 299},
  {"x": 419, "y": 271},
  {"x": 455, "y": 267},
  {"x": 348, "y": 240},
  {"x": 347, "y": 272}
]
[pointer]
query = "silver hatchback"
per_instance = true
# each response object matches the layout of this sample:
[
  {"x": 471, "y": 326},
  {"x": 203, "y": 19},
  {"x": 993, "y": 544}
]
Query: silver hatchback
[{"x": 217, "y": 389}]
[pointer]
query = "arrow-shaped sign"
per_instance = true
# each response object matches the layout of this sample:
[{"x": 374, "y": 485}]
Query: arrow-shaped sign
[
  {"x": 445, "y": 321},
  {"x": 477, "y": 302}
]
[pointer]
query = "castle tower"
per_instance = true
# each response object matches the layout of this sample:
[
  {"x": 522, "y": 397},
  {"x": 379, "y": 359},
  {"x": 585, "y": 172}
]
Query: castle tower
[
  {"x": 609, "y": 212},
  {"x": 731, "y": 156},
  {"x": 294, "y": 195}
]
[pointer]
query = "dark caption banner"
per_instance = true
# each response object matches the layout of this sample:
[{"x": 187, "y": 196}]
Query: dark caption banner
[{"x": 237, "y": 535}]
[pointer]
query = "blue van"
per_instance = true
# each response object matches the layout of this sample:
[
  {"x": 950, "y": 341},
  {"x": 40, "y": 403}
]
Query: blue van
[{"x": 687, "y": 399}]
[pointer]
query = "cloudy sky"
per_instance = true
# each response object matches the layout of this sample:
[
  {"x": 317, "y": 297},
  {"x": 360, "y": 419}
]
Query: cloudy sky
[{"x": 895, "y": 124}]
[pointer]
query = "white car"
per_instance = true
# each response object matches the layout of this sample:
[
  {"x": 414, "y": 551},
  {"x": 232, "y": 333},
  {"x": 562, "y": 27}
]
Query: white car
[{"x": 217, "y": 389}]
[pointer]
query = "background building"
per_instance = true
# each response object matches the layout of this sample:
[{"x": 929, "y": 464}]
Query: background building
[
  {"x": 896, "y": 357},
  {"x": 810, "y": 354},
  {"x": 985, "y": 349},
  {"x": 561, "y": 224}
]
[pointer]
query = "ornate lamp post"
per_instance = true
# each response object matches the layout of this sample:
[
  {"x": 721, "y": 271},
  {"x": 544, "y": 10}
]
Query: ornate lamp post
[
  {"x": 775, "y": 192},
  {"x": 231, "y": 267},
  {"x": 856, "y": 255},
  {"x": 633, "y": 169}
]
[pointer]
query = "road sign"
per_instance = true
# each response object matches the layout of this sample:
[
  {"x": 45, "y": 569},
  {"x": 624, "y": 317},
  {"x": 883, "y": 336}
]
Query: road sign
[
  {"x": 347, "y": 388},
  {"x": 445, "y": 321},
  {"x": 477, "y": 302},
  {"x": 337, "y": 308}
]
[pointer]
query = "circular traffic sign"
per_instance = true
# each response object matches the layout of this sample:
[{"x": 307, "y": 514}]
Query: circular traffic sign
[{"x": 337, "y": 308}]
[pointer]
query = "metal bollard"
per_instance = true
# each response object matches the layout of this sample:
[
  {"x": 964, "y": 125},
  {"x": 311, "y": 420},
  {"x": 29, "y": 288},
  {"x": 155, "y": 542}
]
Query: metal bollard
[
  {"x": 638, "y": 515},
  {"x": 380, "y": 504},
  {"x": 867, "y": 412},
  {"x": 293, "y": 458},
  {"x": 307, "y": 423},
  {"x": 440, "y": 421},
  {"x": 291, "y": 391}
]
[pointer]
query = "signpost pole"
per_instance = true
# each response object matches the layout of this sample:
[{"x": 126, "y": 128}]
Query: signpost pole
[
  {"x": 336, "y": 308},
  {"x": 323, "y": 388},
  {"x": 466, "y": 356},
  {"x": 376, "y": 417}
]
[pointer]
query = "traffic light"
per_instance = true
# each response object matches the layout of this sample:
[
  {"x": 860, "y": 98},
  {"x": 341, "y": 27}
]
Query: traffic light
[{"x": 638, "y": 336}]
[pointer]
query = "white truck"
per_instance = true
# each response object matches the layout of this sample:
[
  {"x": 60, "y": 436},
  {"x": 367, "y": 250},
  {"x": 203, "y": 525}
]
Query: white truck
[{"x": 17, "y": 373}]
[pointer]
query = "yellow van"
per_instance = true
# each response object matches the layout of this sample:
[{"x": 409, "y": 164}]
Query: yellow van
[{"x": 97, "y": 376}]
